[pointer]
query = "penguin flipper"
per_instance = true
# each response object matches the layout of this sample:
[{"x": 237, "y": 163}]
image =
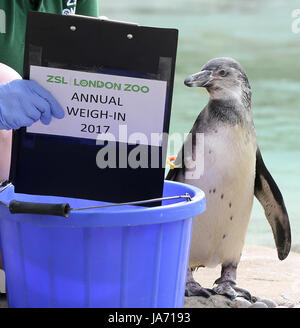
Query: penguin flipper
[
  {"x": 175, "y": 173},
  {"x": 172, "y": 174},
  {"x": 270, "y": 197}
]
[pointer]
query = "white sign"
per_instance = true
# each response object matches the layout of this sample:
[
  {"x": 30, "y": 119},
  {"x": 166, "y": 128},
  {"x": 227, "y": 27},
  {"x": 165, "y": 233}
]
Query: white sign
[{"x": 98, "y": 105}]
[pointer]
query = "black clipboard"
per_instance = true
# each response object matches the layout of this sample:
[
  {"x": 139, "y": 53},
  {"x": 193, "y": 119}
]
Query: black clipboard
[{"x": 65, "y": 166}]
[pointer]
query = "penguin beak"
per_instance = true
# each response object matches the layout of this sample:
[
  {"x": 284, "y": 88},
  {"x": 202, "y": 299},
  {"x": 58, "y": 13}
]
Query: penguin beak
[{"x": 200, "y": 79}]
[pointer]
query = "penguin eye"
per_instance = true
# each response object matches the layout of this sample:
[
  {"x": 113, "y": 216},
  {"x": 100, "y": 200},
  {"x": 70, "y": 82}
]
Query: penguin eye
[{"x": 222, "y": 72}]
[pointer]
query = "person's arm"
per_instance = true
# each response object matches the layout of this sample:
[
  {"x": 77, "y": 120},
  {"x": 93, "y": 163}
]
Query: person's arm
[
  {"x": 87, "y": 8},
  {"x": 7, "y": 74}
]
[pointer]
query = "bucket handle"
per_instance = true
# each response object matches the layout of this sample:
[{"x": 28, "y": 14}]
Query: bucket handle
[
  {"x": 64, "y": 210},
  {"x": 17, "y": 207}
]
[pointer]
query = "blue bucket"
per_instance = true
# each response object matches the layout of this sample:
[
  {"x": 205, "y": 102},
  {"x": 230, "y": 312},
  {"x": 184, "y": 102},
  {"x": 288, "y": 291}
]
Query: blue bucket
[{"x": 126, "y": 256}]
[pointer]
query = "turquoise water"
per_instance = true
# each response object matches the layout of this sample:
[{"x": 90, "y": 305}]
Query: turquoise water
[{"x": 258, "y": 33}]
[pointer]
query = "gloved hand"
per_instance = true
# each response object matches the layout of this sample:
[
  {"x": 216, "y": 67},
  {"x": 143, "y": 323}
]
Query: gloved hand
[{"x": 23, "y": 102}]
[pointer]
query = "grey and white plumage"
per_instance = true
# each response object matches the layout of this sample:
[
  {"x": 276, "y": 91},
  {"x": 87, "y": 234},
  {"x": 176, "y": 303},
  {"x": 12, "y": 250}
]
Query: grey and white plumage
[{"x": 233, "y": 173}]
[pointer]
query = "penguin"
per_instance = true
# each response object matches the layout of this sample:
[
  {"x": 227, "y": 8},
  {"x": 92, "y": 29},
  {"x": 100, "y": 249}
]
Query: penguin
[{"x": 233, "y": 173}]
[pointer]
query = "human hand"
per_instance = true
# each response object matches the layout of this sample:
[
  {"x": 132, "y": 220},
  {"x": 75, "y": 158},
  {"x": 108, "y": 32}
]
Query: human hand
[{"x": 23, "y": 102}]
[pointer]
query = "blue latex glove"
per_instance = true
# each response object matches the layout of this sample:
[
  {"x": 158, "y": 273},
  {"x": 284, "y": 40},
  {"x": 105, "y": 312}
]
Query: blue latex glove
[{"x": 24, "y": 102}]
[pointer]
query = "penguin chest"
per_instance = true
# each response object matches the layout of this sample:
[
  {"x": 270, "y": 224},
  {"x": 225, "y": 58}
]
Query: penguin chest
[
  {"x": 229, "y": 156},
  {"x": 229, "y": 160}
]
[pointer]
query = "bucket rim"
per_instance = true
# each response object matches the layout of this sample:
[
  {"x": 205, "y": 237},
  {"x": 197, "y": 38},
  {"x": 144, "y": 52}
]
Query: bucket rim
[{"x": 126, "y": 215}]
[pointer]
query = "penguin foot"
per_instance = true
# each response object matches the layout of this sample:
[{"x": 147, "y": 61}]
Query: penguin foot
[
  {"x": 231, "y": 291},
  {"x": 226, "y": 284},
  {"x": 192, "y": 288}
]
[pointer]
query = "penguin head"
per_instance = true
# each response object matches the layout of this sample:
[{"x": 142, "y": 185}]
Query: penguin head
[{"x": 222, "y": 77}]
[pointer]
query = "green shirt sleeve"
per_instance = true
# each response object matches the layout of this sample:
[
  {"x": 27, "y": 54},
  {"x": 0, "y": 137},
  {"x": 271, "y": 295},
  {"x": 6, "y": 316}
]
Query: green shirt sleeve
[{"x": 87, "y": 8}]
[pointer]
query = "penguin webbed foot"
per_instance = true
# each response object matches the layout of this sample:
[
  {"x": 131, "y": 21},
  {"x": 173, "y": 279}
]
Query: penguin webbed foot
[
  {"x": 193, "y": 288},
  {"x": 226, "y": 284},
  {"x": 230, "y": 290}
]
